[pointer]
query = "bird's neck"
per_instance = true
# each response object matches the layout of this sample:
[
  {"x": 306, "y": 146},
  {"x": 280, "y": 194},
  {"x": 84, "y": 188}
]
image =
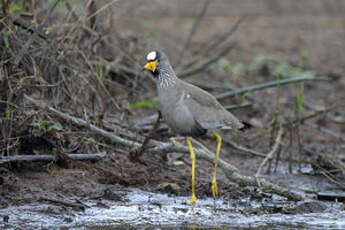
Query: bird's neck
[{"x": 165, "y": 79}]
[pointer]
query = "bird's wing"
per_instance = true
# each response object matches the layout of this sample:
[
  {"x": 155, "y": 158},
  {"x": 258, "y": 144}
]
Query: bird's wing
[{"x": 207, "y": 110}]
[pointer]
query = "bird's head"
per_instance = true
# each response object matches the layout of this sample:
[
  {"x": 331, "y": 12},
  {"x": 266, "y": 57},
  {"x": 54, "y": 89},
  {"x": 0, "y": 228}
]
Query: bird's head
[{"x": 156, "y": 61}]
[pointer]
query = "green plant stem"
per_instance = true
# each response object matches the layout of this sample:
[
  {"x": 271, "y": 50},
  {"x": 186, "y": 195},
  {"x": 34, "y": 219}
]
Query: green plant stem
[
  {"x": 233, "y": 107},
  {"x": 265, "y": 85}
]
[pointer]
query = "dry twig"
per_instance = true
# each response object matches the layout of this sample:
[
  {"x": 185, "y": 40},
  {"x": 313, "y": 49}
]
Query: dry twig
[
  {"x": 135, "y": 154},
  {"x": 265, "y": 85},
  {"x": 217, "y": 41},
  {"x": 193, "y": 30},
  {"x": 98, "y": 79},
  {"x": 75, "y": 205},
  {"x": 312, "y": 115},
  {"x": 194, "y": 69},
  {"x": 271, "y": 153},
  {"x": 246, "y": 150},
  {"x": 49, "y": 157}
]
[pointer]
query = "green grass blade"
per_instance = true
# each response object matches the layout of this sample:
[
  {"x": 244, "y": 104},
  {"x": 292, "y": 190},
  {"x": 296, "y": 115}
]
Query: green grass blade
[{"x": 147, "y": 103}]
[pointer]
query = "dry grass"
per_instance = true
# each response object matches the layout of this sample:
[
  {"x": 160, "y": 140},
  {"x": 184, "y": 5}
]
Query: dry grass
[{"x": 77, "y": 67}]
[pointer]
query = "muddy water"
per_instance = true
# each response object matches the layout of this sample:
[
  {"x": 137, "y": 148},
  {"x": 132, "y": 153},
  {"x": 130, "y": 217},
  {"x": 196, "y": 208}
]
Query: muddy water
[{"x": 144, "y": 210}]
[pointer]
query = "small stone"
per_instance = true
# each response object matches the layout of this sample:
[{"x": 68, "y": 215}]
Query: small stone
[
  {"x": 177, "y": 163},
  {"x": 169, "y": 187}
]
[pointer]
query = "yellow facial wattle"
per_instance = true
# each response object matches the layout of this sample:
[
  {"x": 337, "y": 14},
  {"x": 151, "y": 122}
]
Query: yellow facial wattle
[{"x": 151, "y": 65}]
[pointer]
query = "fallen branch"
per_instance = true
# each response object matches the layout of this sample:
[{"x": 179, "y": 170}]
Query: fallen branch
[
  {"x": 231, "y": 172},
  {"x": 160, "y": 148},
  {"x": 267, "y": 85},
  {"x": 80, "y": 122},
  {"x": 49, "y": 157}
]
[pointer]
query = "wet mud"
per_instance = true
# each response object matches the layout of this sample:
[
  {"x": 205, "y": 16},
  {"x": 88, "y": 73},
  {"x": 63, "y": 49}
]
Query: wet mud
[{"x": 146, "y": 210}]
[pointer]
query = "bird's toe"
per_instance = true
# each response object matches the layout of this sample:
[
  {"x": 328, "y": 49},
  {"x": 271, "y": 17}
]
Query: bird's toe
[{"x": 214, "y": 188}]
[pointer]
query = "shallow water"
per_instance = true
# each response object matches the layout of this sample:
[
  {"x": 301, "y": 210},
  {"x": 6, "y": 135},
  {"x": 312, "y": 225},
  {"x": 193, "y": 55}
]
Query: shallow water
[{"x": 145, "y": 210}]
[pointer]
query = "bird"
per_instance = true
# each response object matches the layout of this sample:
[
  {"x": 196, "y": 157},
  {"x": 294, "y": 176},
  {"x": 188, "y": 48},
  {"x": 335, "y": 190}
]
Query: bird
[{"x": 189, "y": 110}]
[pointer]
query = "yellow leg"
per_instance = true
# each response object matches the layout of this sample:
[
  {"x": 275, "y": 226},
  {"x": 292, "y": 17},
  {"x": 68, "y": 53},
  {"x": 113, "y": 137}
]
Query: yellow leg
[
  {"x": 214, "y": 180},
  {"x": 192, "y": 157}
]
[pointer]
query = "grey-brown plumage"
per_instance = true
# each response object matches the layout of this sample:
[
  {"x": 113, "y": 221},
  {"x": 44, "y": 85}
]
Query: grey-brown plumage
[{"x": 187, "y": 109}]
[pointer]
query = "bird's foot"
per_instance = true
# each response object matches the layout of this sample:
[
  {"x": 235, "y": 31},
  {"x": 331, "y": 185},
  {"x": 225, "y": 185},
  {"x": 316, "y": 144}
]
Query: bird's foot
[
  {"x": 192, "y": 200},
  {"x": 214, "y": 188}
]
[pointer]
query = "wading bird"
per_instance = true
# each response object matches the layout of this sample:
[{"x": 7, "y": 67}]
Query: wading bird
[{"x": 188, "y": 110}]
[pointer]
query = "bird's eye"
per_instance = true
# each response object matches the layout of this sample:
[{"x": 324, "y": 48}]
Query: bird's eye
[{"x": 159, "y": 60}]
